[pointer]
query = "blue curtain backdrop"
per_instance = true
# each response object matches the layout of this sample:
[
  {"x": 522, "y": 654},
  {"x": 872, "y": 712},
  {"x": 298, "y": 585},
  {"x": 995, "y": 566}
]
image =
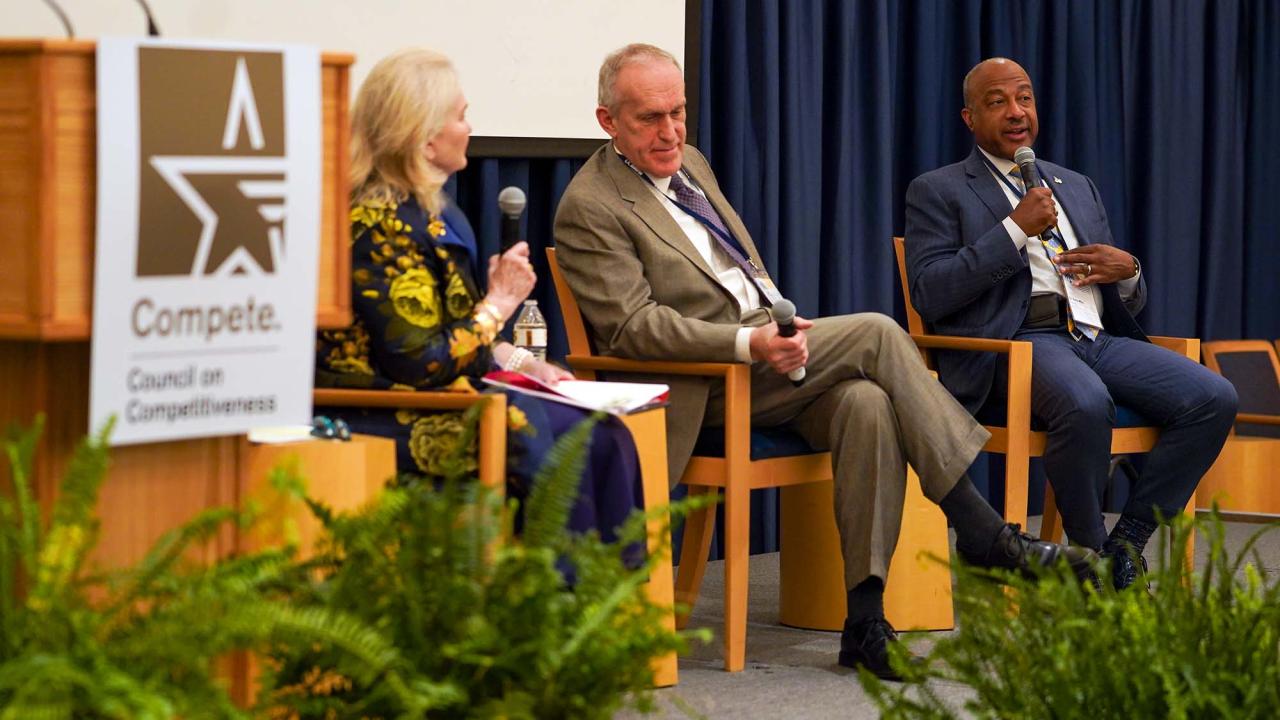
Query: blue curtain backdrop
[{"x": 816, "y": 115}]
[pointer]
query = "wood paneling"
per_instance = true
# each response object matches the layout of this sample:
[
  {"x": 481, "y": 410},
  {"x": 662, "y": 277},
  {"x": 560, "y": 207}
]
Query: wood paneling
[{"x": 48, "y": 181}]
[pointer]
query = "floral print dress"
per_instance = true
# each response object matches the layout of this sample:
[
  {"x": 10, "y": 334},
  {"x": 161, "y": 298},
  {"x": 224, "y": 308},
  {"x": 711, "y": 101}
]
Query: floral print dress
[{"x": 416, "y": 327}]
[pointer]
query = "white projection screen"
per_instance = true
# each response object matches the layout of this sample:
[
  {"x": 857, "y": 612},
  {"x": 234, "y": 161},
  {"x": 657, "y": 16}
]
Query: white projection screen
[{"x": 528, "y": 67}]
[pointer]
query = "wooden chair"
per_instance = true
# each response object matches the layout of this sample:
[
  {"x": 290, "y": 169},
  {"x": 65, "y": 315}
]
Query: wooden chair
[
  {"x": 492, "y": 431},
  {"x": 737, "y": 467},
  {"x": 1015, "y": 438},
  {"x": 1253, "y": 367},
  {"x": 492, "y": 442},
  {"x": 1243, "y": 479}
]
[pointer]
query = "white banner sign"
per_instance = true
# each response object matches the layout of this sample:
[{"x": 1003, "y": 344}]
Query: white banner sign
[{"x": 208, "y": 237}]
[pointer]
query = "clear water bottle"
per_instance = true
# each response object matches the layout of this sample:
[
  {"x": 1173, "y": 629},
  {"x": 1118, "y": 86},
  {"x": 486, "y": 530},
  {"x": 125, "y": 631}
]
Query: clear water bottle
[{"x": 531, "y": 330}]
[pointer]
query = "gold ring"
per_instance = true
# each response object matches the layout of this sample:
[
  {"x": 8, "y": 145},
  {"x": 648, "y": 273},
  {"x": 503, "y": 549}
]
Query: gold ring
[{"x": 1088, "y": 269}]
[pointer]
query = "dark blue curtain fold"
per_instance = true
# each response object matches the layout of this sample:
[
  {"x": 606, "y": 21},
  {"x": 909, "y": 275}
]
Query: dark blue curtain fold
[
  {"x": 817, "y": 114},
  {"x": 476, "y": 191}
]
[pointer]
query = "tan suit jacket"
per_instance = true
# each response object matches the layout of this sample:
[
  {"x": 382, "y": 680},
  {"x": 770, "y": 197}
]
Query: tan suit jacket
[{"x": 644, "y": 289}]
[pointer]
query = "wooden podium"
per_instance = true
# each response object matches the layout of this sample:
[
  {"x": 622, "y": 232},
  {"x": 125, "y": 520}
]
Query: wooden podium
[{"x": 48, "y": 185}]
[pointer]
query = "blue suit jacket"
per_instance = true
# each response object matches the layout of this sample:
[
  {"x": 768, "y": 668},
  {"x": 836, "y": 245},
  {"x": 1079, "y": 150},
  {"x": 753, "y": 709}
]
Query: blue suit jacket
[{"x": 968, "y": 278}]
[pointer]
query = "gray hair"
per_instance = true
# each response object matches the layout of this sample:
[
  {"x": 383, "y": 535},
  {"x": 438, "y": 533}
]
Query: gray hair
[{"x": 622, "y": 57}]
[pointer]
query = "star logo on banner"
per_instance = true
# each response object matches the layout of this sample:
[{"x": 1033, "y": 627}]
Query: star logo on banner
[{"x": 245, "y": 234}]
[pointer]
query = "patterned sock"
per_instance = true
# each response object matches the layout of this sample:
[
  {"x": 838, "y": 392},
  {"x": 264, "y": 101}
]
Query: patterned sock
[
  {"x": 1132, "y": 531},
  {"x": 865, "y": 600},
  {"x": 976, "y": 523}
]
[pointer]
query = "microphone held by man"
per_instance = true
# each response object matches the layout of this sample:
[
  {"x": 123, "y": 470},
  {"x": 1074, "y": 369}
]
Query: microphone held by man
[
  {"x": 1036, "y": 213},
  {"x": 784, "y": 314}
]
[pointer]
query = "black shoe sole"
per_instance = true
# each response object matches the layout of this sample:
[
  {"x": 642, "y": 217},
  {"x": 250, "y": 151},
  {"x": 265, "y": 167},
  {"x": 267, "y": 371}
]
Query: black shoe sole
[{"x": 849, "y": 660}]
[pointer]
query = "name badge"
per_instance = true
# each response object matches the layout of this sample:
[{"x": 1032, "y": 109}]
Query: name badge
[
  {"x": 767, "y": 288},
  {"x": 1083, "y": 310}
]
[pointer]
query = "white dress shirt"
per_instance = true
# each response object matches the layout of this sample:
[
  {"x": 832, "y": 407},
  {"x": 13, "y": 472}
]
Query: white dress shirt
[
  {"x": 1044, "y": 274},
  {"x": 726, "y": 270}
]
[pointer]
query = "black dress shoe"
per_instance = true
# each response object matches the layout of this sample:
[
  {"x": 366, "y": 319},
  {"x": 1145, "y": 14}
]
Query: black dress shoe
[
  {"x": 1016, "y": 550},
  {"x": 1127, "y": 566},
  {"x": 866, "y": 644}
]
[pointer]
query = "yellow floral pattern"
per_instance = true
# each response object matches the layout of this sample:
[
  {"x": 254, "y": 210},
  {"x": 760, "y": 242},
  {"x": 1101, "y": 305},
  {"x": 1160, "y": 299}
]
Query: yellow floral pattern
[
  {"x": 434, "y": 441},
  {"x": 415, "y": 298},
  {"x": 517, "y": 421},
  {"x": 457, "y": 299},
  {"x": 418, "y": 325},
  {"x": 417, "y": 321}
]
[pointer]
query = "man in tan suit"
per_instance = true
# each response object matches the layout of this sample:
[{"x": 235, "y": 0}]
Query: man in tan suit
[{"x": 664, "y": 270}]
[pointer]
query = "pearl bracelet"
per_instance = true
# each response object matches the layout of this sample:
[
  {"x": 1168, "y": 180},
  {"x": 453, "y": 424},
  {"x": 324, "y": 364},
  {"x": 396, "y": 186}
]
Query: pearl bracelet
[{"x": 517, "y": 359}]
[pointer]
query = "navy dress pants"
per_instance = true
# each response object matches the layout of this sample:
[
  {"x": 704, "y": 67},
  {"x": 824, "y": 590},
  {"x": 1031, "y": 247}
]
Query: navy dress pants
[{"x": 1075, "y": 387}]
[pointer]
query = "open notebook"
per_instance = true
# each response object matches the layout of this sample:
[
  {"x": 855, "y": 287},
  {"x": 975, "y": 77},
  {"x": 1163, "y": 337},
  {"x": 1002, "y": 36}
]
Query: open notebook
[{"x": 615, "y": 398}]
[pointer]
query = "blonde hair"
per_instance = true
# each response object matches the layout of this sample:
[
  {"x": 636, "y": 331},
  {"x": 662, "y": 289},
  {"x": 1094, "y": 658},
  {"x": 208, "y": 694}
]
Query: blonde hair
[
  {"x": 620, "y": 58},
  {"x": 402, "y": 104}
]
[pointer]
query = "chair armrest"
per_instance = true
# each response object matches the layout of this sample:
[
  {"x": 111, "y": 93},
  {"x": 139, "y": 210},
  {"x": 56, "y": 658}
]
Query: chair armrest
[
  {"x": 957, "y": 342},
  {"x": 737, "y": 397},
  {"x": 658, "y": 367},
  {"x": 407, "y": 399},
  {"x": 492, "y": 429},
  {"x": 1183, "y": 346},
  {"x": 1017, "y": 394},
  {"x": 1258, "y": 418}
]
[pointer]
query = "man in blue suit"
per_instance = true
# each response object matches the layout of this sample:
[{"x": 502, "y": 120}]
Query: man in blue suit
[{"x": 987, "y": 257}]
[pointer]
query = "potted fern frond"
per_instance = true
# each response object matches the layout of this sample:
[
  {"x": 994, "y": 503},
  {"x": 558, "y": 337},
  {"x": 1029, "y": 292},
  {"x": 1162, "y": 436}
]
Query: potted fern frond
[
  {"x": 1197, "y": 646},
  {"x": 141, "y": 642},
  {"x": 483, "y": 619}
]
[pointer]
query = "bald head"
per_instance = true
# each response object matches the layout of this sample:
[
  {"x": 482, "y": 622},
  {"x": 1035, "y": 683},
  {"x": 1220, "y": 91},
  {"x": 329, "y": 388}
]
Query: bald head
[
  {"x": 980, "y": 72},
  {"x": 1000, "y": 107}
]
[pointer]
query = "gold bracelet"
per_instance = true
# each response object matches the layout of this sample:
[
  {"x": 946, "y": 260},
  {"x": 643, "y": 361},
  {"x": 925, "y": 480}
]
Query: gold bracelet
[
  {"x": 492, "y": 309},
  {"x": 488, "y": 320}
]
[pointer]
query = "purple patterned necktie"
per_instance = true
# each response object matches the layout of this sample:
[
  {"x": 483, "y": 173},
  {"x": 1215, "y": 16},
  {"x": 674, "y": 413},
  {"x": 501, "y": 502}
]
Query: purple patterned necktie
[{"x": 705, "y": 213}]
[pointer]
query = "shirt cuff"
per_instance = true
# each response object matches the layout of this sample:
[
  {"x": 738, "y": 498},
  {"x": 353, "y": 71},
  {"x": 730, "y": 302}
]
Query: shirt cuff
[
  {"x": 1015, "y": 232},
  {"x": 742, "y": 345},
  {"x": 1129, "y": 286}
]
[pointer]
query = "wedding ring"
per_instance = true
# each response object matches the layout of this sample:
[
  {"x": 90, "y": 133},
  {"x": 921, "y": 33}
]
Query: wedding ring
[{"x": 1088, "y": 269}]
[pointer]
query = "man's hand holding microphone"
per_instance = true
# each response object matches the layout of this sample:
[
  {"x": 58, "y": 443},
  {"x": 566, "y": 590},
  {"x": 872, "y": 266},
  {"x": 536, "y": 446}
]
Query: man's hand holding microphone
[{"x": 783, "y": 343}]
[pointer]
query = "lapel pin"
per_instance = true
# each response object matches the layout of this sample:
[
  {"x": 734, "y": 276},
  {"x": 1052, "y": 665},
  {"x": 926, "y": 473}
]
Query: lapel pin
[{"x": 1057, "y": 179}]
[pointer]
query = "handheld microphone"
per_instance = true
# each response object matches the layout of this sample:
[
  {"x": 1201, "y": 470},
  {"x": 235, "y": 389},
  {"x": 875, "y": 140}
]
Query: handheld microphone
[
  {"x": 784, "y": 313},
  {"x": 1026, "y": 159},
  {"x": 511, "y": 201}
]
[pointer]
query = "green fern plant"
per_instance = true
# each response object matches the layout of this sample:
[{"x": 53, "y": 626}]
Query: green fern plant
[
  {"x": 140, "y": 642},
  {"x": 483, "y": 619},
  {"x": 1199, "y": 646}
]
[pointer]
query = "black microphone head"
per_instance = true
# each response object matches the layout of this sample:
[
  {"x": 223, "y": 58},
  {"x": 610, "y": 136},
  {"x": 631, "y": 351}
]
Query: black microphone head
[
  {"x": 511, "y": 201},
  {"x": 1025, "y": 157},
  {"x": 783, "y": 311}
]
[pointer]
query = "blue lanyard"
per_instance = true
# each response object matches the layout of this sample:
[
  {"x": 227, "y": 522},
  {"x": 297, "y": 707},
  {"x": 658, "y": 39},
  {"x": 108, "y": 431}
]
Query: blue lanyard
[
  {"x": 706, "y": 222},
  {"x": 1018, "y": 194},
  {"x": 1004, "y": 178}
]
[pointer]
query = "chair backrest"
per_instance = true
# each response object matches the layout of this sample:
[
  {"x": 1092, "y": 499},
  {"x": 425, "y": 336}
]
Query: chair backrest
[
  {"x": 915, "y": 325},
  {"x": 1253, "y": 368},
  {"x": 574, "y": 326}
]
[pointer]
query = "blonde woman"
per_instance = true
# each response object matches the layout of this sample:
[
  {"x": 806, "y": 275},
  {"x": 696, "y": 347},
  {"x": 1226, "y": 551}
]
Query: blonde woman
[{"x": 422, "y": 320}]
